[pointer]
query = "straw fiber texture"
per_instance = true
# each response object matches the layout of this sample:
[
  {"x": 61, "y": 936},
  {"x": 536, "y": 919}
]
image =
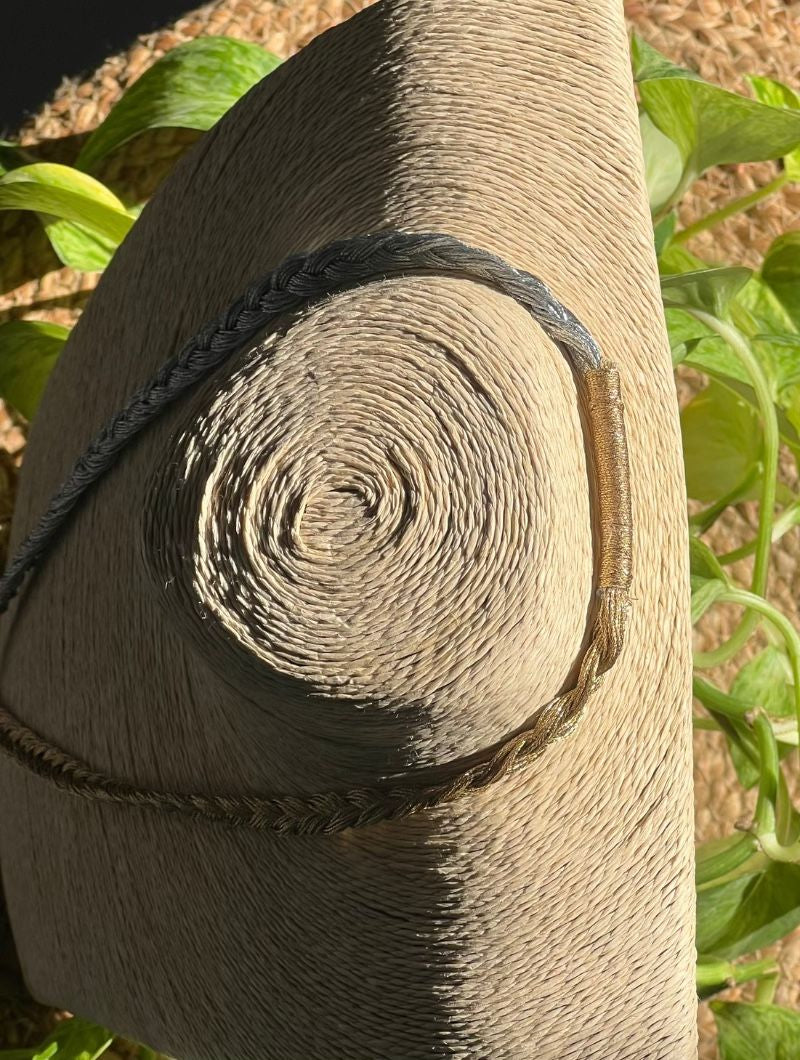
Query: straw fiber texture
[
  {"x": 550, "y": 916},
  {"x": 723, "y": 39},
  {"x": 240, "y": 576}
]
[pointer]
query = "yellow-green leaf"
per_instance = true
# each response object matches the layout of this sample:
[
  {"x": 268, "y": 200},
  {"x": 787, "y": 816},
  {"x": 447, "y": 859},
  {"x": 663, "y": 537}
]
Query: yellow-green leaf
[
  {"x": 721, "y": 442},
  {"x": 766, "y": 683},
  {"x": 663, "y": 165},
  {"x": 710, "y": 125},
  {"x": 83, "y": 219},
  {"x": 73, "y": 1039},
  {"x": 780, "y": 271},
  {"x": 756, "y": 1032},
  {"x": 748, "y": 912},
  {"x": 776, "y": 94},
  {"x": 191, "y": 87},
  {"x": 28, "y": 351}
]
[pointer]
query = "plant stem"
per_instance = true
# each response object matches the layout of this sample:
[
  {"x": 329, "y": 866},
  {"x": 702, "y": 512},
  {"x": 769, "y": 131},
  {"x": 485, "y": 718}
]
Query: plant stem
[
  {"x": 729, "y": 715},
  {"x": 774, "y": 819},
  {"x": 788, "y": 518},
  {"x": 765, "y": 989},
  {"x": 723, "y": 702},
  {"x": 765, "y": 817},
  {"x": 706, "y": 724},
  {"x": 732, "y": 208},
  {"x": 719, "y": 857},
  {"x": 754, "y": 865},
  {"x": 766, "y": 511},
  {"x": 705, "y": 519},
  {"x": 723, "y": 973},
  {"x": 790, "y": 635}
]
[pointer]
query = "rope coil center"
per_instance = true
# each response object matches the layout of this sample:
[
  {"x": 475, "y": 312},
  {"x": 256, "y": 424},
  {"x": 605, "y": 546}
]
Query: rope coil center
[{"x": 293, "y": 285}]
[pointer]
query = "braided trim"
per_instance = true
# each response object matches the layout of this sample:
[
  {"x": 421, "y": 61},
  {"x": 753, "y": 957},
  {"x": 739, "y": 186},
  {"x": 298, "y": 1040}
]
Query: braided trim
[{"x": 299, "y": 280}]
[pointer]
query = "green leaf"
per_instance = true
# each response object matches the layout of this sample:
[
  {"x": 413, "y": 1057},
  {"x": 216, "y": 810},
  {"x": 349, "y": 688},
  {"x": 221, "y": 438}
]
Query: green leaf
[
  {"x": 73, "y": 1039},
  {"x": 748, "y": 912},
  {"x": 79, "y": 1040},
  {"x": 710, "y": 125},
  {"x": 780, "y": 271},
  {"x": 663, "y": 165},
  {"x": 693, "y": 341},
  {"x": 28, "y": 351},
  {"x": 703, "y": 563},
  {"x": 677, "y": 258},
  {"x": 721, "y": 442},
  {"x": 766, "y": 682},
  {"x": 11, "y": 156},
  {"x": 756, "y": 1032},
  {"x": 790, "y": 399},
  {"x": 663, "y": 232},
  {"x": 689, "y": 338},
  {"x": 648, "y": 62},
  {"x": 779, "y": 356},
  {"x": 191, "y": 87},
  {"x": 713, "y": 976},
  {"x": 766, "y": 308},
  {"x": 759, "y": 314},
  {"x": 747, "y": 772},
  {"x": 709, "y": 289},
  {"x": 46, "y": 1054},
  {"x": 707, "y": 578},
  {"x": 705, "y": 593},
  {"x": 775, "y": 340},
  {"x": 717, "y": 905},
  {"x": 776, "y": 94},
  {"x": 84, "y": 221}
]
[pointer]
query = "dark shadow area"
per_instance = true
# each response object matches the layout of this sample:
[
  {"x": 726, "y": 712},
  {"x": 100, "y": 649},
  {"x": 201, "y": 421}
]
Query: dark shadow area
[
  {"x": 44, "y": 42},
  {"x": 215, "y": 942}
]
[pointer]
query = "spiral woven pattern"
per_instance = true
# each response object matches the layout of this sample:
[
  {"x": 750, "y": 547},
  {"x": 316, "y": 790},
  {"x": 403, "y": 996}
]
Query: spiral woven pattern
[
  {"x": 369, "y": 499},
  {"x": 236, "y": 527}
]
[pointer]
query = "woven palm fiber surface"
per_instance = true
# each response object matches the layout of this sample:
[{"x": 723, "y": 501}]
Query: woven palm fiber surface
[
  {"x": 523, "y": 922},
  {"x": 723, "y": 40}
]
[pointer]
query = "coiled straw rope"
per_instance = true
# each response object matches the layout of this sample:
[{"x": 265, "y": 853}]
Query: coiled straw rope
[{"x": 291, "y": 286}]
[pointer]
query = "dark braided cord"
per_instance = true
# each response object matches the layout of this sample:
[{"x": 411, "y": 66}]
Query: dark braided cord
[{"x": 299, "y": 280}]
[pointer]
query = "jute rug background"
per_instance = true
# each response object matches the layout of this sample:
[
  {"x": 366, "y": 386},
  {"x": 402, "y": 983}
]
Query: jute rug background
[{"x": 722, "y": 39}]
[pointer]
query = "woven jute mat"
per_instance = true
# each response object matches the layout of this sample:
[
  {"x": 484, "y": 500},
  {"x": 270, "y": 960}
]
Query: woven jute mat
[{"x": 722, "y": 39}]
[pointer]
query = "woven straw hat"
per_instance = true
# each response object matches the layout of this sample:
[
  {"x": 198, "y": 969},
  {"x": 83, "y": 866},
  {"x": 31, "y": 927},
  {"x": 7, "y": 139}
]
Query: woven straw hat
[{"x": 519, "y": 921}]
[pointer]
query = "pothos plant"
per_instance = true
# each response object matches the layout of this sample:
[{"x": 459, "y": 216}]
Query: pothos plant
[
  {"x": 740, "y": 328},
  {"x": 737, "y": 326}
]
